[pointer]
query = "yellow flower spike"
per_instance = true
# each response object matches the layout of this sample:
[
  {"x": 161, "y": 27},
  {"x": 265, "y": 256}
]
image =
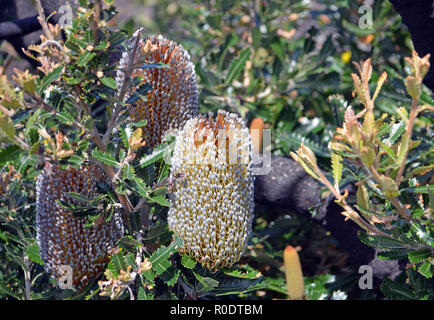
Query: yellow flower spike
[
  {"x": 256, "y": 130},
  {"x": 293, "y": 274},
  {"x": 212, "y": 199}
]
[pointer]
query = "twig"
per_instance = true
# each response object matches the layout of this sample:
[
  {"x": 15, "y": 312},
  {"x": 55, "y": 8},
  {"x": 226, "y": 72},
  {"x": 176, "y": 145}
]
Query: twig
[
  {"x": 109, "y": 170},
  {"x": 188, "y": 291},
  {"x": 127, "y": 75},
  {"x": 42, "y": 21},
  {"x": 28, "y": 277},
  {"x": 95, "y": 24}
]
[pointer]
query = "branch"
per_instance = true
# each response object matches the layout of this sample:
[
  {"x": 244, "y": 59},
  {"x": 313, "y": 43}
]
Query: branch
[{"x": 42, "y": 20}]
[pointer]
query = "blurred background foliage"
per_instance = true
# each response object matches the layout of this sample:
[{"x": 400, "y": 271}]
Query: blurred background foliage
[{"x": 287, "y": 62}]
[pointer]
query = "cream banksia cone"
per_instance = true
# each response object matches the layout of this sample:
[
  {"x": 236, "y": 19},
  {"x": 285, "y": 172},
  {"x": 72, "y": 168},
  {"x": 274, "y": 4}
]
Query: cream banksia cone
[
  {"x": 212, "y": 189},
  {"x": 63, "y": 240},
  {"x": 173, "y": 98}
]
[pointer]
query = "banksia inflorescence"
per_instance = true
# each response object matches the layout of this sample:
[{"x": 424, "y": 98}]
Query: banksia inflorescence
[
  {"x": 63, "y": 240},
  {"x": 212, "y": 189},
  {"x": 173, "y": 98}
]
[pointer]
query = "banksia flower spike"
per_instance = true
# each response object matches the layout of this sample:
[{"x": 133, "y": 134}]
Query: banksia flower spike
[
  {"x": 173, "y": 98},
  {"x": 293, "y": 274},
  {"x": 212, "y": 189},
  {"x": 63, "y": 240}
]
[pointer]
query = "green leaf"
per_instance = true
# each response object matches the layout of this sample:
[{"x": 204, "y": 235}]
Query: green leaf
[
  {"x": 4, "y": 289},
  {"x": 206, "y": 283},
  {"x": 143, "y": 295},
  {"x": 363, "y": 197},
  {"x": 353, "y": 28},
  {"x": 160, "y": 258},
  {"x": 140, "y": 186},
  {"x": 33, "y": 253},
  {"x": 162, "y": 201},
  {"x": 109, "y": 82},
  {"x": 427, "y": 269},
  {"x": 9, "y": 153},
  {"x": 156, "y": 155},
  {"x": 419, "y": 189},
  {"x": 65, "y": 117},
  {"x": 419, "y": 255},
  {"x": 421, "y": 234},
  {"x": 315, "y": 287},
  {"x": 394, "y": 254},
  {"x": 85, "y": 57},
  {"x": 402, "y": 148},
  {"x": 7, "y": 130},
  {"x": 240, "y": 286},
  {"x": 188, "y": 262},
  {"x": 170, "y": 276},
  {"x": 397, "y": 290},
  {"x": 389, "y": 151},
  {"x": 237, "y": 66},
  {"x": 49, "y": 78},
  {"x": 117, "y": 264},
  {"x": 337, "y": 169},
  {"x": 396, "y": 131},
  {"x": 252, "y": 274},
  {"x": 105, "y": 158},
  {"x": 388, "y": 186},
  {"x": 381, "y": 242}
]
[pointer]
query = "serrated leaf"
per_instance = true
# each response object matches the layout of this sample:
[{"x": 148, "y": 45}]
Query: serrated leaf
[
  {"x": 7, "y": 130},
  {"x": 105, "y": 158},
  {"x": 426, "y": 269},
  {"x": 65, "y": 117},
  {"x": 381, "y": 242},
  {"x": 416, "y": 256},
  {"x": 363, "y": 197},
  {"x": 170, "y": 276},
  {"x": 117, "y": 263},
  {"x": 33, "y": 253},
  {"x": 337, "y": 169},
  {"x": 85, "y": 57},
  {"x": 160, "y": 258},
  {"x": 252, "y": 274},
  {"x": 396, "y": 290},
  {"x": 422, "y": 234},
  {"x": 240, "y": 286},
  {"x": 206, "y": 283},
  {"x": 188, "y": 262},
  {"x": 156, "y": 155},
  {"x": 140, "y": 186},
  {"x": 49, "y": 78}
]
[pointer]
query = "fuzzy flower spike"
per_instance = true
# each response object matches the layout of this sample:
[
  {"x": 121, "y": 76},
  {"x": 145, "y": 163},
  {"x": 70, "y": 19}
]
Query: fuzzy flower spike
[
  {"x": 212, "y": 189},
  {"x": 173, "y": 98},
  {"x": 64, "y": 243}
]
